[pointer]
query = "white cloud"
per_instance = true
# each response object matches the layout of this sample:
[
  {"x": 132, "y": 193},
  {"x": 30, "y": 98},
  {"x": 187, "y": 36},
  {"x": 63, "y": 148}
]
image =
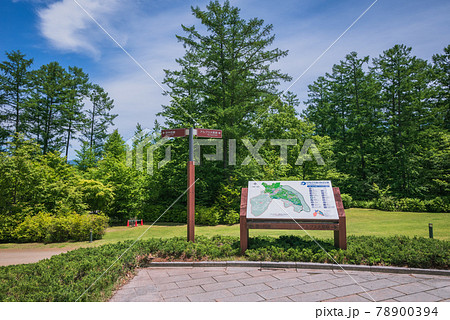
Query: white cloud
[{"x": 67, "y": 27}]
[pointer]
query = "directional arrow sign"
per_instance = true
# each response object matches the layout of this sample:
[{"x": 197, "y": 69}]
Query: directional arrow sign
[
  {"x": 172, "y": 133},
  {"x": 209, "y": 133}
]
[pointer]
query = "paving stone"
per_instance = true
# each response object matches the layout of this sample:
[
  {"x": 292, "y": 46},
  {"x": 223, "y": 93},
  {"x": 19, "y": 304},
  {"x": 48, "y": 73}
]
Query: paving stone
[
  {"x": 233, "y": 276},
  {"x": 390, "y": 300},
  {"x": 181, "y": 292},
  {"x": 290, "y": 275},
  {"x": 350, "y": 298},
  {"x": 124, "y": 295},
  {"x": 282, "y": 299},
  {"x": 134, "y": 283},
  {"x": 209, "y": 296},
  {"x": 285, "y": 283},
  {"x": 249, "y": 289},
  {"x": 256, "y": 272},
  {"x": 424, "y": 276},
  {"x": 208, "y": 274},
  {"x": 382, "y": 294},
  {"x": 344, "y": 281},
  {"x": 412, "y": 287},
  {"x": 221, "y": 285},
  {"x": 318, "y": 277},
  {"x": 157, "y": 272},
  {"x": 259, "y": 279},
  {"x": 252, "y": 297},
  {"x": 378, "y": 284},
  {"x": 418, "y": 297},
  {"x": 278, "y": 293},
  {"x": 312, "y": 296},
  {"x": 436, "y": 283},
  {"x": 266, "y": 271},
  {"x": 195, "y": 282},
  {"x": 315, "y": 286},
  {"x": 145, "y": 290},
  {"x": 142, "y": 275},
  {"x": 402, "y": 279},
  {"x": 346, "y": 290},
  {"x": 443, "y": 293},
  {"x": 230, "y": 270},
  {"x": 248, "y": 284},
  {"x": 181, "y": 270},
  {"x": 368, "y": 276},
  {"x": 177, "y": 299},
  {"x": 151, "y": 297},
  {"x": 166, "y": 286},
  {"x": 181, "y": 277}
]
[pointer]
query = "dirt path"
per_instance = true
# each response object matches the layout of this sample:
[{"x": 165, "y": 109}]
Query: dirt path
[{"x": 21, "y": 256}]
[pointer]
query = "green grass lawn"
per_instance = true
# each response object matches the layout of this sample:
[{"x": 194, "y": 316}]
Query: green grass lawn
[{"x": 359, "y": 222}]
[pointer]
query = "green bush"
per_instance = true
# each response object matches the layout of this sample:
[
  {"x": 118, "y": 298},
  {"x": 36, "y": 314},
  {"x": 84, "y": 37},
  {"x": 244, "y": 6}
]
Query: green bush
[
  {"x": 163, "y": 213},
  {"x": 437, "y": 205},
  {"x": 207, "y": 216},
  {"x": 346, "y": 200},
  {"x": 66, "y": 276},
  {"x": 405, "y": 204},
  {"x": 411, "y": 205},
  {"x": 231, "y": 217},
  {"x": 367, "y": 250},
  {"x": 44, "y": 227}
]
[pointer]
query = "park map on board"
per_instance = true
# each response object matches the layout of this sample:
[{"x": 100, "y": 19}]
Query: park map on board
[{"x": 291, "y": 200}]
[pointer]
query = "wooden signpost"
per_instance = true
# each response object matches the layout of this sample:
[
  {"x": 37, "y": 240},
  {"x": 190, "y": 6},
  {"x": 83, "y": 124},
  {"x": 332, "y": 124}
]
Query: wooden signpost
[
  {"x": 337, "y": 225},
  {"x": 191, "y": 132}
]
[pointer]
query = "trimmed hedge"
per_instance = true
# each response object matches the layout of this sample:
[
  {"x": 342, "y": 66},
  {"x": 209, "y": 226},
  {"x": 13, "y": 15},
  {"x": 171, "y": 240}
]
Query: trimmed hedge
[
  {"x": 398, "y": 251},
  {"x": 45, "y": 227},
  {"x": 66, "y": 276}
]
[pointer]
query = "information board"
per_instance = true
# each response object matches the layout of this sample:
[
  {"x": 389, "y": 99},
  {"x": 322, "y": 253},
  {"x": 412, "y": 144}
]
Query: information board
[{"x": 291, "y": 200}]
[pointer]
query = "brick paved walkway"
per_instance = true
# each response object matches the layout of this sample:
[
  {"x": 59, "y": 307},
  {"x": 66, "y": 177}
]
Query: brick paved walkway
[{"x": 254, "y": 284}]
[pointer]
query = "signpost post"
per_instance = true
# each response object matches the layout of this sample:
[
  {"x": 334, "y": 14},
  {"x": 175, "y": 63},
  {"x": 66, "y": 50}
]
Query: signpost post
[{"x": 191, "y": 132}]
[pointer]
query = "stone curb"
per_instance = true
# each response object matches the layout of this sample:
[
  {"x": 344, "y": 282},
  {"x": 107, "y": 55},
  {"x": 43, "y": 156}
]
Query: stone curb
[{"x": 300, "y": 265}]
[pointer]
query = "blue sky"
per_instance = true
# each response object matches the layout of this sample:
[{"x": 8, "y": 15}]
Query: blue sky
[{"x": 59, "y": 30}]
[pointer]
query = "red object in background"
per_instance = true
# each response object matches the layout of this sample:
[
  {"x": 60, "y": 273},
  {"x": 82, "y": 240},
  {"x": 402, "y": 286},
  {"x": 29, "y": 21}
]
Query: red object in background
[
  {"x": 174, "y": 133},
  {"x": 142, "y": 222},
  {"x": 128, "y": 223},
  {"x": 135, "y": 223},
  {"x": 209, "y": 133}
]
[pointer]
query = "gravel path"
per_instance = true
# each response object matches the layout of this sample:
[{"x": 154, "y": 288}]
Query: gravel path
[{"x": 21, "y": 256}]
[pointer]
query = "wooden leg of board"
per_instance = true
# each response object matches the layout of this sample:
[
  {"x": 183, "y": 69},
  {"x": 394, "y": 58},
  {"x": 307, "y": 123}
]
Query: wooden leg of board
[
  {"x": 336, "y": 238},
  {"x": 342, "y": 233},
  {"x": 243, "y": 221},
  {"x": 243, "y": 234}
]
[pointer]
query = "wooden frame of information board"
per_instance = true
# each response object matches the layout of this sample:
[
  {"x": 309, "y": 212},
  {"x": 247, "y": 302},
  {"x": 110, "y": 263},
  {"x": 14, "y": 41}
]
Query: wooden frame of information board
[{"x": 338, "y": 226}]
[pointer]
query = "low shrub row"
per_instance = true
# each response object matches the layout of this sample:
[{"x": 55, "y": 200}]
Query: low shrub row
[
  {"x": 45, "y": 227},
  {"x": 398, "y": 251},
  {"x": 65, "y": 277},
  {"x": 405, "y": 204}
]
